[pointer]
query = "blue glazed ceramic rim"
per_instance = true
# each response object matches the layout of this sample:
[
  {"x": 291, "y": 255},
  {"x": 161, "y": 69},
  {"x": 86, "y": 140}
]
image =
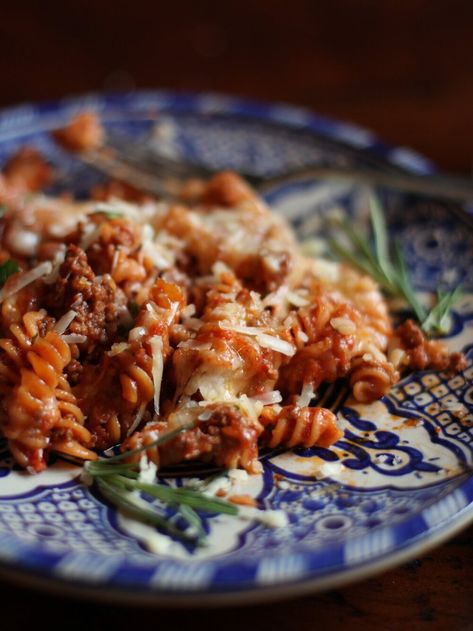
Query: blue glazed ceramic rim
[{"x": 226, "y": 582}]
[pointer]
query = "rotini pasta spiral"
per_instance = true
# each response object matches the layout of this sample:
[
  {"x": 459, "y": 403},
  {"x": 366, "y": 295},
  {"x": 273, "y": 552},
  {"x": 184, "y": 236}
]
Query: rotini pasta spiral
[
  {"x": 41, "y": 412},
  {"x": 300, "y": 427},
  {"x": 371, "y": 379}
]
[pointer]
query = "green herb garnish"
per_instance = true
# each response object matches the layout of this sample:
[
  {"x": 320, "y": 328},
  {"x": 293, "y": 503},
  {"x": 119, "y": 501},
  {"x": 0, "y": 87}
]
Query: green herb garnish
[
  {"x": 439, "y": 318},
  {"x": 387, "y": 266},
  {"x": 107, "y": 212},
  {"x": 133, "y": 308},
  {"x": 119, "y": 481},
  {"x": 7, "y": 268}
]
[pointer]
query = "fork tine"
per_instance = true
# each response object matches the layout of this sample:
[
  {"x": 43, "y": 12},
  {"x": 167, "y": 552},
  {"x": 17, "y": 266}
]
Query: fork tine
[
  {"x": 333, "y": 396},
  {"x": 142, "y": 155},
  {"x": 117, "y": 169}
]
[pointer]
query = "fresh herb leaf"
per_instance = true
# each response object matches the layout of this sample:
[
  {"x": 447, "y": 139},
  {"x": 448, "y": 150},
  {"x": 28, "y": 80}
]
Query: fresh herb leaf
[
  {"x": 107, "y": 212},
  {"x": 438, "y": 319},
  {"x": 389, "y": 269},
  {"x": 133, "y": 308},
  {"x": 177, "y": 496},
  {"x": 380, "y": 234},
  {"x": 138, "y": 508},
  {"x": 193, "y": 519},
  {"x": 161, "y": 440},
  {"x": 120, "y": 483},
  {"x": 405, "y": 287},
  {"x": 7, "y": 268}
]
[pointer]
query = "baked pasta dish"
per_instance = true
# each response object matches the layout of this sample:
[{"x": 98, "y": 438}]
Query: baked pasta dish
[{"x": 123, "y": 317}]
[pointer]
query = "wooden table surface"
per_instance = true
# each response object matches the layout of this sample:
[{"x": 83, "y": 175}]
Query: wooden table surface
[{"x": 401, "y": 68}]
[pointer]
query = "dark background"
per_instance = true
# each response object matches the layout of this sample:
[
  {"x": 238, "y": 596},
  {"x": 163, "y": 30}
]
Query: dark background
[{"x": 402, "y": 68}]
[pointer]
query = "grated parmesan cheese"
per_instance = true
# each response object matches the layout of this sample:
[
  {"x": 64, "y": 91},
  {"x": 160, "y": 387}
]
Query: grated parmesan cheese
[
  {"x": 58, "y": 260},
  {"x": 306, "y": 395},
  {"x": 137, "y": 420},
  {"x": 156, "y": 343},
  {"x": 276, "y": 344},
  {"x": 397, "y": 357},
  {"x": 268, "y": 398},
  {"x": 117, "y": 348},
  {"x": 297, "y": 300},
  {"x": 267, "y": 341},
  {"x": 63, "y": 322},
  {"x": 74, "y": 339},
  {"x": 345, "y": 326},
  {"x": 24, "y": 279}
]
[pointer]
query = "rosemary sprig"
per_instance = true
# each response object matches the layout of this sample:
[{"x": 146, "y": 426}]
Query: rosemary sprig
[
  {"x": 438, "y": 319},
  {"x": 387, "y": 266},
  {"x": 120, "y": 483},
  {"x": 7, "y": 268},
  {"x": 177, "y": 496},
  {"x": 406, "y": 290},
  {"x": 138, "y": 508},
  {"x": 193, "y": 519},
  {"x": 161, "y": 440}
]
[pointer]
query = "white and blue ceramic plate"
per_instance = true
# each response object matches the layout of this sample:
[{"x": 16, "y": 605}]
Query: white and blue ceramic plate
[{"x": 403, "y": 487}]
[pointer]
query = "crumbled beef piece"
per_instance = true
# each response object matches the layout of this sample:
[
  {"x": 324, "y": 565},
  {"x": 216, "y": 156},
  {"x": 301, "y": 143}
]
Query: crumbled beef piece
[
  {"x": 83, "y": 132},
  {"x": 227, "y": 438},
  {"x": 226, "y": 189},
  {"x": 95, "y": 299},
  {"x": 424, "y": 353}
]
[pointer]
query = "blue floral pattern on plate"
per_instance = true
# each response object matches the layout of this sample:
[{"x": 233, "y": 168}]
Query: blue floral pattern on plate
[{"x": 398, "y": 480}]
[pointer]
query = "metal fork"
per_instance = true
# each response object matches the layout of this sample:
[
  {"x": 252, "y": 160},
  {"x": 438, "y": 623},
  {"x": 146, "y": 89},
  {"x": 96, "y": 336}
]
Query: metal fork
[{"x": 141, "y": 166}]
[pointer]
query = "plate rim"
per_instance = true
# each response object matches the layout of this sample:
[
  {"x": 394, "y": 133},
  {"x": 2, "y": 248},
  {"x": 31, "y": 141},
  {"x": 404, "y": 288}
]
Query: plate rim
[{"x": 292, "y": 116}]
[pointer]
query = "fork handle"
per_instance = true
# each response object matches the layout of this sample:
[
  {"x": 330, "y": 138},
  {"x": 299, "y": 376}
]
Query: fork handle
[{"x": 452, "y": 187}]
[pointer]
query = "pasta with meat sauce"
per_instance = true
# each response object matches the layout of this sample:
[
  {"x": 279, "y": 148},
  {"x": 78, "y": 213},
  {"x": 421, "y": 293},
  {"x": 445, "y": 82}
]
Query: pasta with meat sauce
[{"x": 125, "y": 317}]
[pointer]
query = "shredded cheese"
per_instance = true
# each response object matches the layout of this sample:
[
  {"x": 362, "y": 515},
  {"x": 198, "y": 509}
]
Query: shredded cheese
[
  {"x": 306, "y": 395},
  {"x": 276, "y": 344},
  {"x": 297, "y": 300},
  {"x": 156, "y": 343},
  {"x": 118, "y": 348},
  {"x": 22, "y": 280},
  {"x": 345, "y": 326},
  {"x": 263, "y": 339},
  {"x": 63, "y": 322},
  {"x": 137, "y": 420},
  {"x": 74, "y": 339},
  {"x": 136, "y": 333},
  {"x": 268, "y": 398},
  {"x": 56, "y": 263}
]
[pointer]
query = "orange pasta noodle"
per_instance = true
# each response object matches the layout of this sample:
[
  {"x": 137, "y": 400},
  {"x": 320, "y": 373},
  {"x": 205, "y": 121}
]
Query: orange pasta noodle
[
  {"x": 324, "y": 353},
  {"x": 295, "y": 426},
  {"x": 33, "y": 413},
  {"x": 115, "y": 394}
]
